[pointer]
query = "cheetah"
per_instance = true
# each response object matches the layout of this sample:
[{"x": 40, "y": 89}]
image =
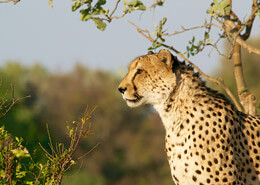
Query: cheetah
[{"x": 208, "y": 141}]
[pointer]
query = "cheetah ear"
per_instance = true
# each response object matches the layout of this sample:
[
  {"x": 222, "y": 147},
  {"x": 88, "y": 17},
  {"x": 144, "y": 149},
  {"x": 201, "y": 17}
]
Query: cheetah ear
[
  {"x": 166, "y": 57},
  {"x": 150, "y": 52}
]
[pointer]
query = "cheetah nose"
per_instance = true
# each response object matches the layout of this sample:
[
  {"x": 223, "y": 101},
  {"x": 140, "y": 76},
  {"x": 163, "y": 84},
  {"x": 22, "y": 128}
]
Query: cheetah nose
[{"x": 122, "y": 89}]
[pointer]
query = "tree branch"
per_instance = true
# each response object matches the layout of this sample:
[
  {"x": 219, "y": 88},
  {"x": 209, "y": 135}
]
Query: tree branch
[
  {"x": 250, "y": 20},
  {"x": 113, "y": 11},
  {"x": 248, "y": 47},
  {"x": 247, "y": 100},
  {"x": 7, "y": 1},
  {"x": 147, "y": 35},
  {"x": 229, "y": 29},
  {"x": 5, "y": 106},
  {"x": 205, "y": 25}
]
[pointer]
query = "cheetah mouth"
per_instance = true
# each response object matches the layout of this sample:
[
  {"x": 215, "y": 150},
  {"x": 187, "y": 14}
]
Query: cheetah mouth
[{"x": 137, "y": 99}]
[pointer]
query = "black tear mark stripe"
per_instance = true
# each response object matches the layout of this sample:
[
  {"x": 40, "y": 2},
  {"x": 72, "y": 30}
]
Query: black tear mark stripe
[
  {"x": 136, "y": 73},
  {"x": 135, "y": 88}
]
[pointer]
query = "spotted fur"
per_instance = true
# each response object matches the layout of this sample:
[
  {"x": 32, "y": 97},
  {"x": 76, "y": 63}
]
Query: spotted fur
[{"x": 208, "y": 141}]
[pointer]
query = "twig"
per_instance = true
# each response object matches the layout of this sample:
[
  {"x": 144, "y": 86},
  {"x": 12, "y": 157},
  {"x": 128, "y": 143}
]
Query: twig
[
  {"x": 114, "y": 8},
  {"x": 89, "y": 151},
  {"x": 118, "y": 17},
  {"x": 220, "y": 83},
  {"x": 7, "y": 1},
  {"x": 46, "y": 152},
  {"x": 50, "y": 143},
  {"x": 155, "y": 4},
  {"x": 11, "y": 104},
  {"x": 249, "y": 22},
  {"x": 248, "y": 47},
  {"x": 193, "y": 28},
  {"x": 229, "y": 26}
]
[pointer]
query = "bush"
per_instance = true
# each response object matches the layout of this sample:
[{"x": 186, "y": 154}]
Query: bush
[{"x": 18, "y": 167}]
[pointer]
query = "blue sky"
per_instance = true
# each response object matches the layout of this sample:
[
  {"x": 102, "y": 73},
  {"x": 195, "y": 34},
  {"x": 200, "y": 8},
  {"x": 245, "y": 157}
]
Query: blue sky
[{"x": 32, "y": 32}]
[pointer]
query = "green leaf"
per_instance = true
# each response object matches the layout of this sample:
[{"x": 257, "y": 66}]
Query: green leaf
[
  {"x": 20, "y": 153},
  {"x": 100, "y": 23},
  {"x": 141, "y": 7},
  {"x": 220, "y": 8},
  {"x": 29, "y": 182},
  {"x": 78, "y": 3},
  {"x": 2, "y": 173},
  {"x": 100, "y": 3},
  {"x": 137, "y": 5},
  {"x": 164, "y": 20},
  {"x": 85, "y": 15},
  {"x": 132, "y": 3},
  {"x": 159, "y": 2},
  {"x": 162, "y": 39},
  {"x": 193, "y": 39},
  {"x": 50, "y": 3},
  {"x": 243, "y": 90},
  {"x": 206, "y": 35},
  {"x": 75, "y": 6},
  {"x": 20, "y": 174},
  {"x": 98, "y": 11}
]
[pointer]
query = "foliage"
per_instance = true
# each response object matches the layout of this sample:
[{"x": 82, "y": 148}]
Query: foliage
[
  {"x": 125, "y": 154},
  {"x": 91, "y": 12},
  {"x": 230, "y": 27},
  {"x": 133, "y": 5},
  {"x": 17, "y": 166},
  {"x": 96, "y": 11},
  {"x": 221, "y": 8},
  {"x": 159, "y": 34},
  {"x": 12, "y": 157},
  {"x": 194, "y": 48}
]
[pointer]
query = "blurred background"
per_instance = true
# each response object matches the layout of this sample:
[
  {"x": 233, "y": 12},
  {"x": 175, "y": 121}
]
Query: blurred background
[{"x": 66, "y": 66}]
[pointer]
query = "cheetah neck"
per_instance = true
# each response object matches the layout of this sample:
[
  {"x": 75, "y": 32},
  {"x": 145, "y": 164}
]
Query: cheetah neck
[{"x": 183, "y": 94}]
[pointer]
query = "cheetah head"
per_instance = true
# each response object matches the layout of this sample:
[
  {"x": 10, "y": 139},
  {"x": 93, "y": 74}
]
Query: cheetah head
[{"x": 149, "y": 80}]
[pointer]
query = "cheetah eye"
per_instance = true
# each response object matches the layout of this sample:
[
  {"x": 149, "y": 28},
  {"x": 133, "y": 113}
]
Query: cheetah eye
[{"x": 139, "y": 71}]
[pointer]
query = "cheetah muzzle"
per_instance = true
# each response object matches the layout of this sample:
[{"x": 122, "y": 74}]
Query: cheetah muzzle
[{"x": 208, "y": 141}]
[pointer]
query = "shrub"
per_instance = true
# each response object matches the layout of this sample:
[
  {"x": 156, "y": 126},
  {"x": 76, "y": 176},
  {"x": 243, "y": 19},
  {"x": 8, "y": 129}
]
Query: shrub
[{"x": 18, "y": 167}]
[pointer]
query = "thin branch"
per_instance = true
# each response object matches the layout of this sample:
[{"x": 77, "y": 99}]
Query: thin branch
[
  {"x": 118, "y": 17},
  {"x": 89, "y": 151},
  {"x": 155, "y": 4},
  {"x": 50, "y": 143},
  {"x": 142, "y": 32},
  {"x": 193, "y": 28},
  {"x": 7, "y": 1},
  {"x": 229, "y": 26},
  {"x": 46, "y": 152},
  {"x": 250, "y": 20},
  {"x": 219, "y": 82},
  {"x": 116, "y": 6},
  {"x": 146, "y": 34},
  {"x": 248, "y": 47},
  {"x": 214, "y": 46},
  {"x": 236, "y": 18},
  {"x": 8, "y": 107}
]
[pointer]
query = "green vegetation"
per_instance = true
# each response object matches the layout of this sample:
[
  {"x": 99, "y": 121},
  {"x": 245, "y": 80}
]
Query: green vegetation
[
  {"x": 220, "y": 16},
  {"x": 18, "y": 166},
  {"x": 131, "y": 142}
]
